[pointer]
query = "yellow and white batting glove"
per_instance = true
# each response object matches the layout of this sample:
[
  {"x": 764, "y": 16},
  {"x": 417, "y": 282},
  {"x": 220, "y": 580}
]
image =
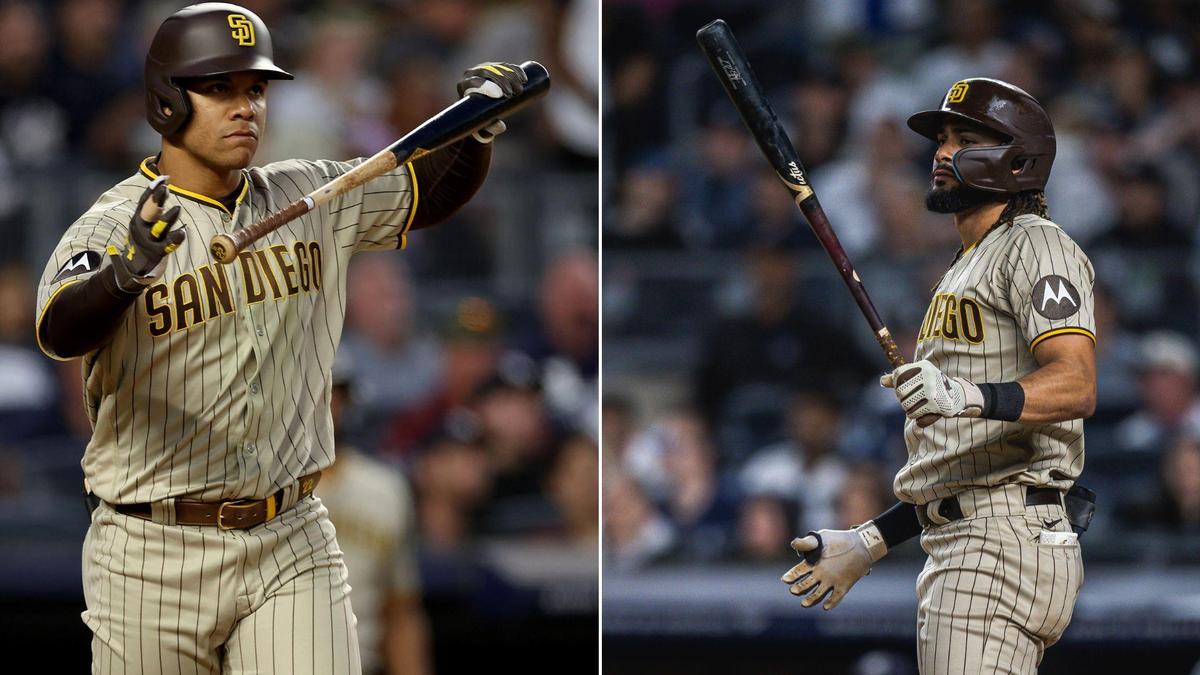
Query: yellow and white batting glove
[
  {"x": 494, "y": 80},
  {"x": 927, "y": 394},
  {"x": 144, "y": 258},
  {"x": 834, "y": 560}
]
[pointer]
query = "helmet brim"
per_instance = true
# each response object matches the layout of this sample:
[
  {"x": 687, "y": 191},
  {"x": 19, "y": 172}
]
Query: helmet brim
[
  {"x": 929, "y": 123},
  {"x": 232, "y": 64}
]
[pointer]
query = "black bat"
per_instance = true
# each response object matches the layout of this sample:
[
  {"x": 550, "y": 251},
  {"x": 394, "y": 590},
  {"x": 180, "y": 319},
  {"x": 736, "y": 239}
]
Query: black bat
[
  {"x": 733, "y": 70},
  {"x": 468, "y": 115}
]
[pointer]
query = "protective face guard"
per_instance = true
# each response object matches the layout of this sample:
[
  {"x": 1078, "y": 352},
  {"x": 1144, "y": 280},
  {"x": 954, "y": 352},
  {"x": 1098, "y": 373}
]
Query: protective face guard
[{"x": 983, "y": 168}]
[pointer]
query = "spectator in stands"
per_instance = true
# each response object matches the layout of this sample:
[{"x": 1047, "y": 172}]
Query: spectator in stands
[
  {"x": 1181, "y": 482},
  {"x": 635, "y": 533},
  {"x": 519, "y": 443},
  {"x": 398, "y": 366},
  {"x": 618, "y": 424},
  {"x": 370, "y": 505},
  {"x": 452, "y": 481},
  {"x": 765, "y": 525},
  {"x": 805, "y": 467},
  {"x": 646, "y": 217},
  {"x": 751, "y": 360},
  {"x": 1117, "y": 356},
  {"x": 573, "y": 489},
  {"x": 471, "y": 347},
  {"x": 1169, "y": 402},
  {"x": 699, "y": 503},
  {"x": 866, "y": 492},
  {"x": 335, "y": 107},
  {"x": 718, "y": 196},
  {"x": 27, "y": 384},
  {"x": 566, "y": 339}
]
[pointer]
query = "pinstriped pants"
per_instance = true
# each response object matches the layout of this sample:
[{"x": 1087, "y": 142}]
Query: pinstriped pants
[
  {"x": 188, "y": 599},
  {"x": 991, "y": 598}
]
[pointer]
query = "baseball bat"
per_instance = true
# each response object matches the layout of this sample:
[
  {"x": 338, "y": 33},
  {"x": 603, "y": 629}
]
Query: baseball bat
[
  {"x": 463, "y": 118},
  {"x": 733, "y": 70}
]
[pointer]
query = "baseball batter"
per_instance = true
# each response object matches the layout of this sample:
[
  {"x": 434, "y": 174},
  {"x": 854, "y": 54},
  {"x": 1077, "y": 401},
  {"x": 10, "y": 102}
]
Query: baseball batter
[
  {"x": 207, "y": 385},
  {"x": 1004, "y": 374}
]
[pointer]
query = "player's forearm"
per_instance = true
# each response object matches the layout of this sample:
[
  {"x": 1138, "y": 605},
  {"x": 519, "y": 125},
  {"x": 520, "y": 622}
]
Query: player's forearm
[
  {"x": 447, "y": 179},
  {"x": 1057, "y": 392},
  {"x": 84, "y": 316}
]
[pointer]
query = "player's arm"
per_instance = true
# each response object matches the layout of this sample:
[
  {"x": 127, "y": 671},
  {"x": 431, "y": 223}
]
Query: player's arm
[
  {"x": 1062, "y": 388},
  {"x": 448, "y": 178},
  {"x": 82, "y": 316},
  {"x": 1064, "y": 385}
]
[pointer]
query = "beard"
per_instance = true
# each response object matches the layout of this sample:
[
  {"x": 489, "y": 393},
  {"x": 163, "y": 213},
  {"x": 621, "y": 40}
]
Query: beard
[{"x": 955, "y": 199}]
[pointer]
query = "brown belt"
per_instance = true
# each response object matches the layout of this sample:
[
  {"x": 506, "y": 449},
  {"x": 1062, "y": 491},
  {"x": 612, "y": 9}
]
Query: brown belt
[{"x": 241, "y": 514}]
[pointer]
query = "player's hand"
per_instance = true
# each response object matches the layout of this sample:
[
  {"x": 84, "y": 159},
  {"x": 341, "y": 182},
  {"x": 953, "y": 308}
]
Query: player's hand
[
  {"x": 144, "y": 257},
  {"x": 494, "y": 80},
  {"x": 927, "y": 394},
  {"x": 834, "y": 560}
]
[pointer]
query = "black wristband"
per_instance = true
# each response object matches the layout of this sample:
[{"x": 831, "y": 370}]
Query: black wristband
[
  {"x": 898, "y": 524},
  {"x": 1002, "y": 401},
  {"x": 108, "y": 280}
]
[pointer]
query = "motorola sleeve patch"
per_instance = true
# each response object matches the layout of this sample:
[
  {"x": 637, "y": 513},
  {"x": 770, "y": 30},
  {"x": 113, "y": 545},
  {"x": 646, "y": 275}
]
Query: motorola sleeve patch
[
  {"x": 87, "y": 261},
  {"x": 1055, "y": 297}
]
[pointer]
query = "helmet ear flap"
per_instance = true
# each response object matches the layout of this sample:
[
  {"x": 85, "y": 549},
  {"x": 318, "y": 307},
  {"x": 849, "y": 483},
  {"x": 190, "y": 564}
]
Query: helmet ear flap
[{"x": 162, "y": 97}]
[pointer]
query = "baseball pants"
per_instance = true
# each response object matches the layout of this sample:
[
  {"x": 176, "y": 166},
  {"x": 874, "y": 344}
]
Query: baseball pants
[
  {"x": 189, "y": 599},
  {"x": 991, "y": 597}
]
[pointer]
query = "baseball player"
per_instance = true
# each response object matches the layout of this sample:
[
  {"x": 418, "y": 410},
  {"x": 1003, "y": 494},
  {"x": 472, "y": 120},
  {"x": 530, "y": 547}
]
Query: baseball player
[
  {"x": 208, "y": 385},
  {"x": 1004, "y": 373}
]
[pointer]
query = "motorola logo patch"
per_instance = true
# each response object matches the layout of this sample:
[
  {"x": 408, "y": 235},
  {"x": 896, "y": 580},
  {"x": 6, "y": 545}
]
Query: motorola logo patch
[
  {"x": 1055, "y": 298},
  {"x": 87, "y": 261}
]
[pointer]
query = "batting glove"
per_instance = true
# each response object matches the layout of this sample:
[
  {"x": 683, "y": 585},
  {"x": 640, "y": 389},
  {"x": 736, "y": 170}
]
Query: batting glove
[
  {"x": 144, "y": 258},
  {"x": 494, "y": 80},
  {"x": 927, "y": 394},
  {"x": 834, "y": 560}
]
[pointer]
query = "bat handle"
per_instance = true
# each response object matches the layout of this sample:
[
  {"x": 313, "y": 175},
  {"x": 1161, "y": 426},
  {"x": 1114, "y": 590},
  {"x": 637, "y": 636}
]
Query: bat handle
[
  {"x": 226, "y": 247},
  {"x": 884, "y": 336}
]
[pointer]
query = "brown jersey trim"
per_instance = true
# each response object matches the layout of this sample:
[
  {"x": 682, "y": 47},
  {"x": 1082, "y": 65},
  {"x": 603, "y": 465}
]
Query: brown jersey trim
[
  {"x": 42, "y": 316},
  {"x": 412, "y": 208},
  {"x": 1061, "y": 331},
  {"x": 450, "y": 177}
]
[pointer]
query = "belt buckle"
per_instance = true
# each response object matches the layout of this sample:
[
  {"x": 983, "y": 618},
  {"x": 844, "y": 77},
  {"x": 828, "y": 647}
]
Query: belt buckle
[{"x": 240, "y": 504}]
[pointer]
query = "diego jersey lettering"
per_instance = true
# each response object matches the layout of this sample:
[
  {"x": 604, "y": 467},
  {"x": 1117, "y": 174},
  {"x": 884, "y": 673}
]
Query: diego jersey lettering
[{"x": 213, "y": 386}]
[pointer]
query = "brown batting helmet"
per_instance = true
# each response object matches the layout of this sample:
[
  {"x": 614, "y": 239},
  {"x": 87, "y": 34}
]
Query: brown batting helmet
[
  {"x": 1022, "y": 162},
  {"x": 202, "y": 40}
]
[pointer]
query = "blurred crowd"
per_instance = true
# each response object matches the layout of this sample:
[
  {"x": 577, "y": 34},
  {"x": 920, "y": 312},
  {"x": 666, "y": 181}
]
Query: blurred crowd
[
  {"x": 469, "y": 367},
  {"x": 754, "y": 415}
]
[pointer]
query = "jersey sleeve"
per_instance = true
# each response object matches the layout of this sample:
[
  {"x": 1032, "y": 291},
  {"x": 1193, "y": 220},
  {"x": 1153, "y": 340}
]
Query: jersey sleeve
[
  {"x": 1050, "y": 285},
  {"x": 374, "y": 216},
  {"x": 79, "y": 255}
]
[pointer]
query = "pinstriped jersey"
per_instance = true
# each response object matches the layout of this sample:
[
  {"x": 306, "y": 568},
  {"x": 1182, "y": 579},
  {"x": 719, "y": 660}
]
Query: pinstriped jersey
[
  {"x": 215, "y": 384},
  {"x": 1020, "y": 285}
]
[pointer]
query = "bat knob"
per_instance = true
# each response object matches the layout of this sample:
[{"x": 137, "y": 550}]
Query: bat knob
[{"x": 223, "y": 248}]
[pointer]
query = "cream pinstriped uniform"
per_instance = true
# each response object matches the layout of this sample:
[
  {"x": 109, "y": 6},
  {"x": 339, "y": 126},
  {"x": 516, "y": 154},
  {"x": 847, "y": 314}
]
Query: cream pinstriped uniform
[
  {"x": 216, "y": 386},
  {"x": 992, "y": 597}
]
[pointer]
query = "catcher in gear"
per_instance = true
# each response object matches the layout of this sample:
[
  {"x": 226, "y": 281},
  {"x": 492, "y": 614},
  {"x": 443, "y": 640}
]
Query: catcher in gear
[
  {"x": 208, "y": 386},
  {"x": 1003, "y": 376}
]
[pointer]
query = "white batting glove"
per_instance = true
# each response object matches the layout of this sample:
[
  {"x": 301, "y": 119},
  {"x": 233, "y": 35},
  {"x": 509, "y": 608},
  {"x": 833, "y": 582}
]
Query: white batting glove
[
  {"x": 834, "y": 560},
  {"x": 927, "y": 394}
]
